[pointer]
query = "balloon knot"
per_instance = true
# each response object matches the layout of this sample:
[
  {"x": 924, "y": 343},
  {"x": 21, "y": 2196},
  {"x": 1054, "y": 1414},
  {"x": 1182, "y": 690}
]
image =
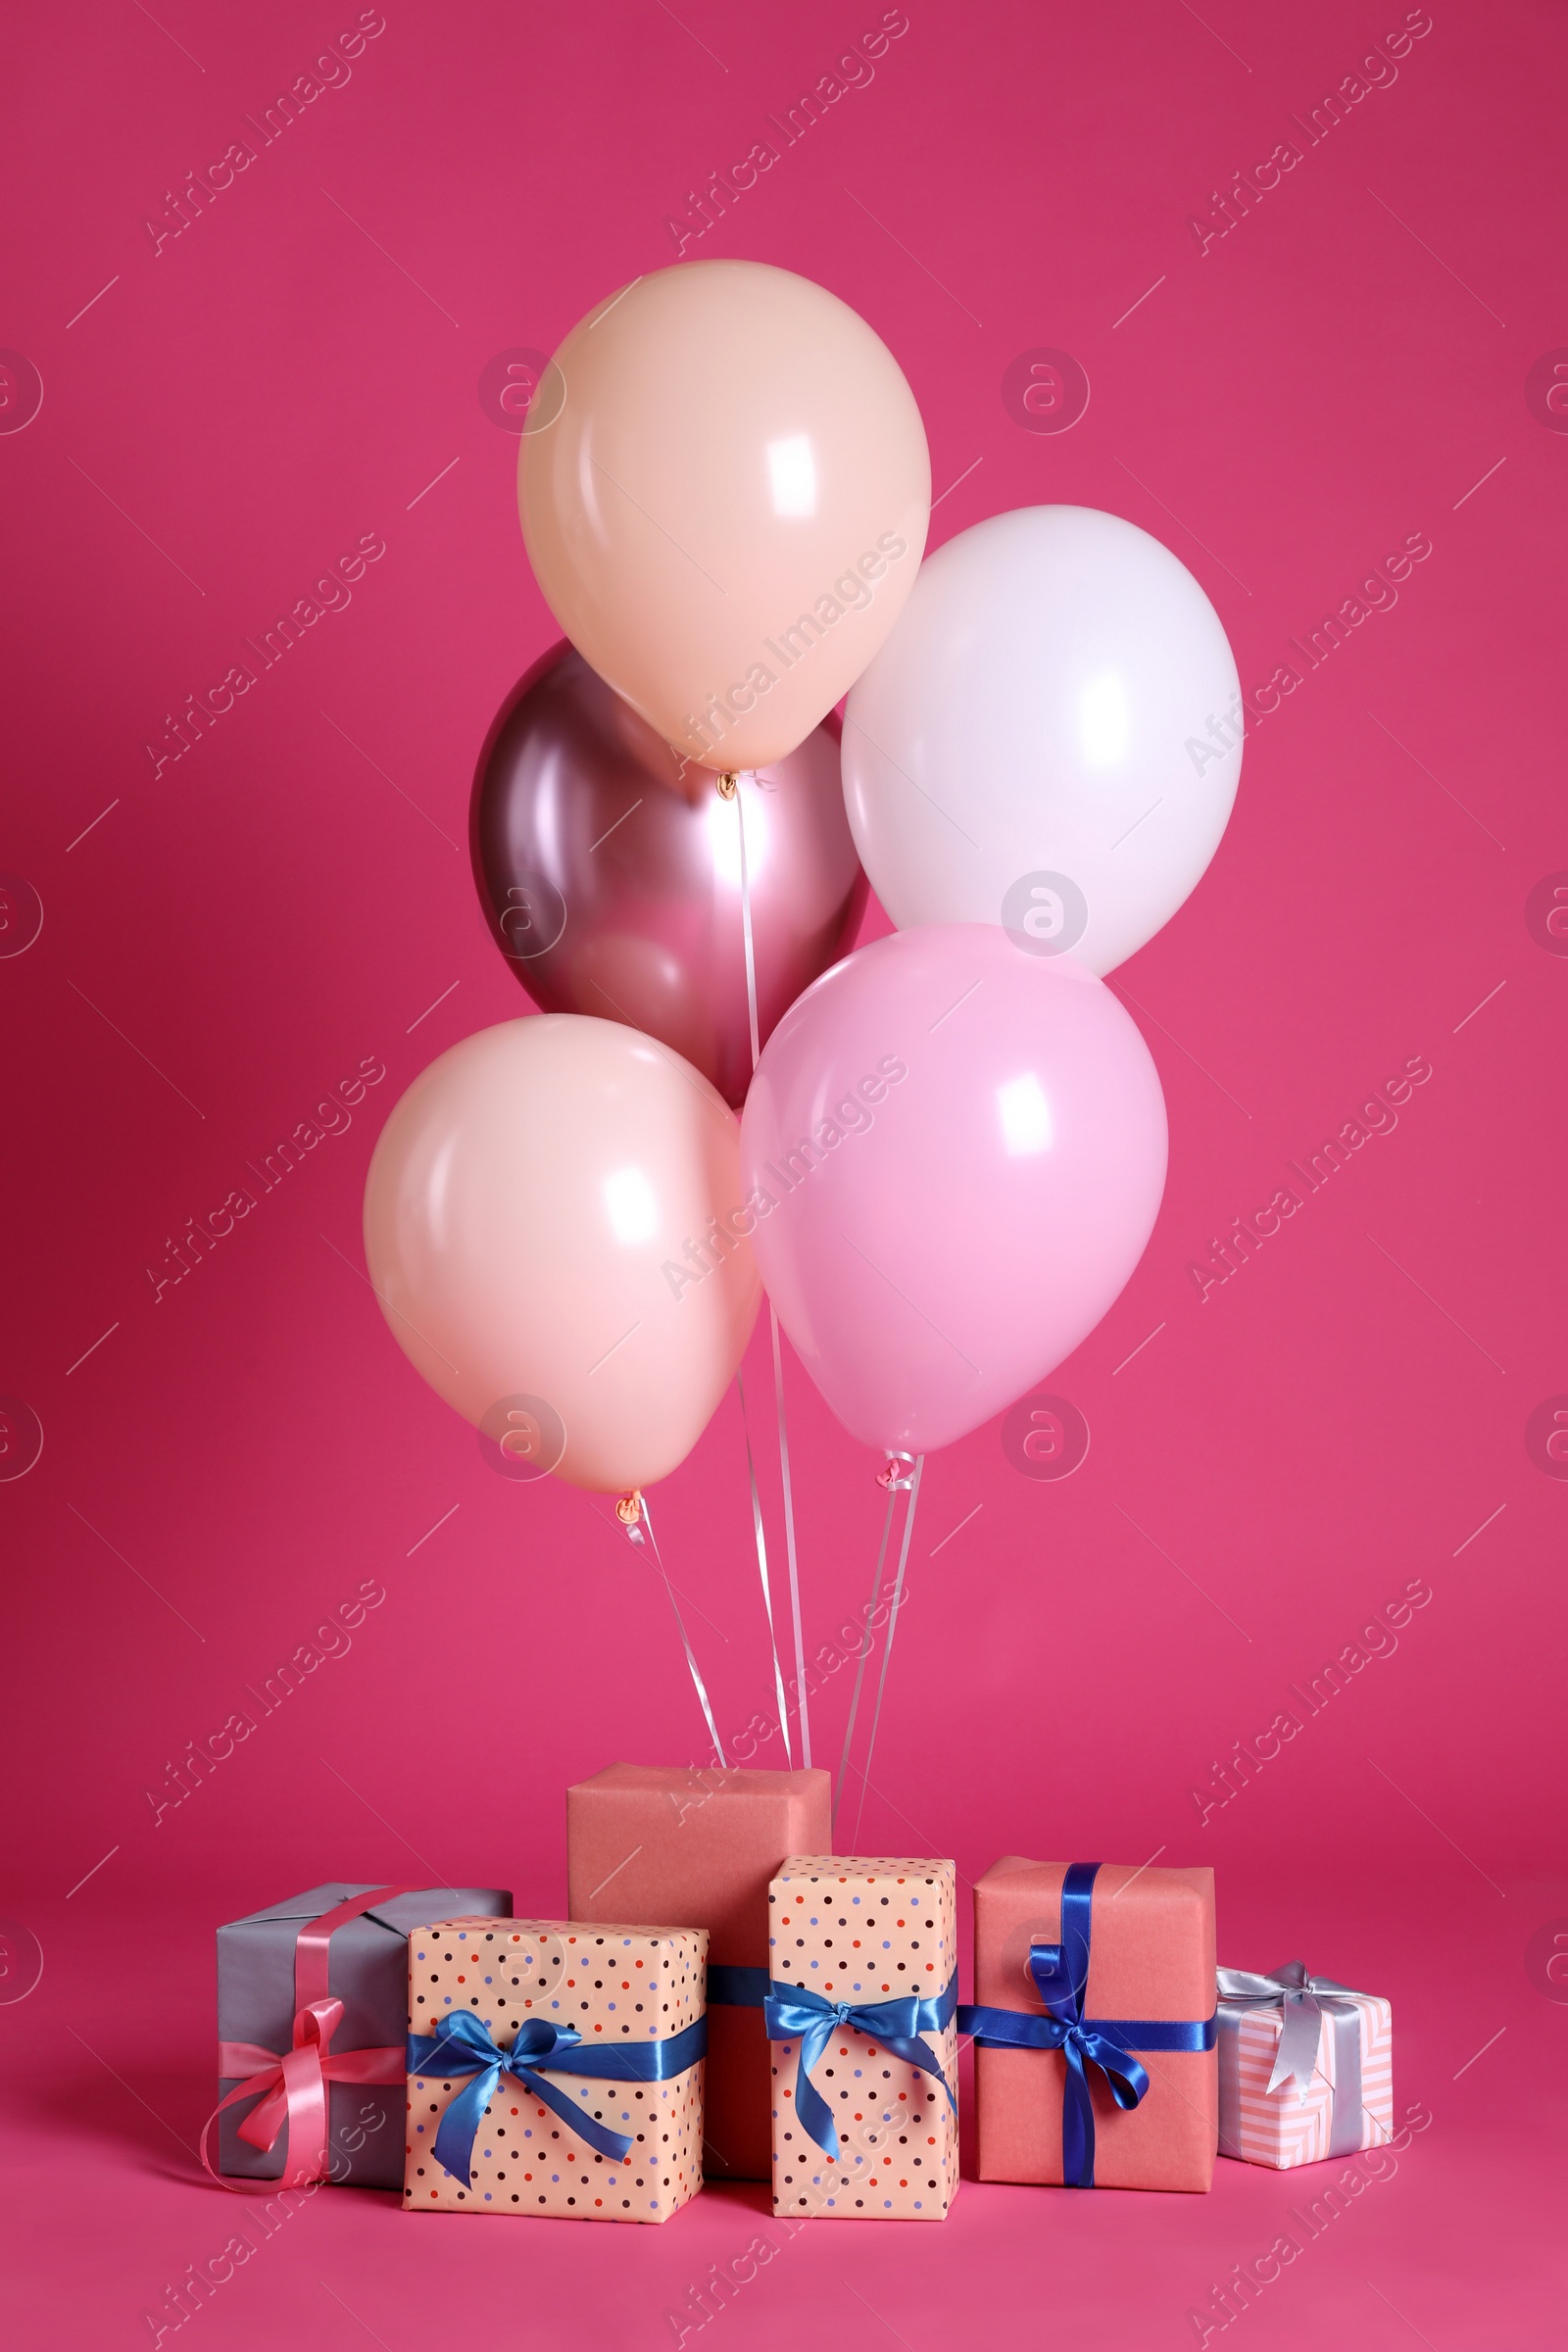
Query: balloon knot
[
  {"x": 893, "y": 1479},
  {"x": 629, "y": 1509},
  {"x": 728, "y": 784}
]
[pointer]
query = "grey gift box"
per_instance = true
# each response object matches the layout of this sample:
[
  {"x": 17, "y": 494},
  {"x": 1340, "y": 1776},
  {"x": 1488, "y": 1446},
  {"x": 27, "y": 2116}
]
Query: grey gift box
[{"x": 368, "y": 1971}]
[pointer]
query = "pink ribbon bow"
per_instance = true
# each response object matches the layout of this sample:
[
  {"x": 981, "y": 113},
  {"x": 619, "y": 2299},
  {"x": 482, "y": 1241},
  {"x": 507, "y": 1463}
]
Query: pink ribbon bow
[{"x": 293, "y": 2082}]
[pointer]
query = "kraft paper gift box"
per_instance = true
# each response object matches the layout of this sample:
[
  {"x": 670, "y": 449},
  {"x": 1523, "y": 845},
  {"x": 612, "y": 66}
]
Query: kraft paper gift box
[
  {"x": 697, "y": 1847},
  {"x": 556, "y": 2068},
  {"x": 861, "y": 2015},
  {"x": 325, "y": 1973},
  {"x": 1094, "y": 2025},
  {"x": 1305, "y": 2066}
]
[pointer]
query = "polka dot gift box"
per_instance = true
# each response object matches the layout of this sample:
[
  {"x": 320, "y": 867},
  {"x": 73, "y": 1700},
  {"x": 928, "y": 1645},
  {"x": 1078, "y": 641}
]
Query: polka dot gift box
[
  {"x": 554, "y": 2068},
  {"x": 859, "y": 2012}
]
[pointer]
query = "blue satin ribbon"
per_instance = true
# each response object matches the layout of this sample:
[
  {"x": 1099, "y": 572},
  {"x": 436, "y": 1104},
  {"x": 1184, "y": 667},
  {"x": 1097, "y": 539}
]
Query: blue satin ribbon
[
  {"x": 463, "y": 2045},
  {"x": 736, "y": 1987},
  {"x": 1060, "y": 1973},
  {"x": 791, "y": 2013}
]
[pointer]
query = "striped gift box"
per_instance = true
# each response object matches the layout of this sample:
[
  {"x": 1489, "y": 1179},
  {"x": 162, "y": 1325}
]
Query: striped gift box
[{"x": 1304, "y": 2123}]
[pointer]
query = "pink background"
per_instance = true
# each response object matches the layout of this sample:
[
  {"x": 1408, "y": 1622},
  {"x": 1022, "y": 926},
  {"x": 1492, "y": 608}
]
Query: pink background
[{"x": 227, "y": 415}]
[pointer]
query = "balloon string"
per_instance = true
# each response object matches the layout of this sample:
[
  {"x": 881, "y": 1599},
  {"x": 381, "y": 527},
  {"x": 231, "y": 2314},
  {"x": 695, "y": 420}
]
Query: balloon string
[
  {"x": 691, "y": 1655},
  {"x": 761, "y": 1564},
  {"x": 859, "y": 1667},
  {"x": 778, "y": 1360},
  {"x": 746, "y": 928},
  {"x": 789, "y": 1539},
  {"x": 893, "y": 1626},
  {"x": 756, "y": 1504}
]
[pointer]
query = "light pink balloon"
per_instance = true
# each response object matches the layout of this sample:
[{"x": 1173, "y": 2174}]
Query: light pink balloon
[
  {"x": 955, "y": 1151},
  {"x": 538, "y": 1226}
]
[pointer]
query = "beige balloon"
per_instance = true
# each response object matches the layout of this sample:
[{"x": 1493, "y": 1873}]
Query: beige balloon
[
  {"x": 555, "y": 1227},
  {"x": 725, "y": 489}
]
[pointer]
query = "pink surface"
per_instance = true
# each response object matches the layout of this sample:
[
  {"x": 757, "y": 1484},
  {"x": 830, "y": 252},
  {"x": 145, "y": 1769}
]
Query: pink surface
[{"x": 1275, "y": 1449}]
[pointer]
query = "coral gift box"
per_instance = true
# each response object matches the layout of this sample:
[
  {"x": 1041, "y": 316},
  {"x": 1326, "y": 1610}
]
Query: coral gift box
[
  {"x": 697, "y": 1846},
  {"x": 555, "y": 2067},
  {"x": 861, "y": 2014},
  {"x": 1094, "y": 2025}
]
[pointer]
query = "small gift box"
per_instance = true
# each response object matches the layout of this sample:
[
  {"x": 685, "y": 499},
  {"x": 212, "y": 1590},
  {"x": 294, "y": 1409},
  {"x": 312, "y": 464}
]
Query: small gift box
[
  {"x": 1094, "y": 2027},
  {"x": 696, "y": 1846},
  {"x": 860, "y": 2010},
  {"x": 1305, "y": 2066},
  {"x": 555, "y": 2067},
  {"x": 311, "y": 1995}
]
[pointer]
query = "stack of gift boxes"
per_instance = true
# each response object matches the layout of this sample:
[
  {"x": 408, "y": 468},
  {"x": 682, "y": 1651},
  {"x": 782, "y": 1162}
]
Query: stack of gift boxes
[{"x": 731, "y": 2001}]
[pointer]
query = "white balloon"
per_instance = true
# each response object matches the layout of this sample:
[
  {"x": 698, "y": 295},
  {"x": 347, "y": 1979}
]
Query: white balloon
[{"x": 1050, "y": 739}]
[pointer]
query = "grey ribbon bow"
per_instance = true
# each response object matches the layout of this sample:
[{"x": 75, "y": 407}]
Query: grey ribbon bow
[{"x": 1306, "y": 2002}]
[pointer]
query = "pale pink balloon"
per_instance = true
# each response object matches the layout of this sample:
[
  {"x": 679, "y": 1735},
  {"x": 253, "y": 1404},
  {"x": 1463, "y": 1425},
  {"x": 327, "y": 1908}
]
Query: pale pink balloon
[
  {"x": 724, "y": 488},
  {"x": 954, "y": 1150},
  {"x": 550, "y": 1226}
]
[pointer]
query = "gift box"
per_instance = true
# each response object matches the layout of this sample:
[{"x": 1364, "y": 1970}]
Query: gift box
[
  {"x": 697, "y": 1847},
  {"x": 324, "y": 1975},
  {"x": 1094, "y": 2025},
  {"x": 555, "y": 2067},
  {"x": 861, "y": 2014},
  {"x": 1305, "y": 2066}
]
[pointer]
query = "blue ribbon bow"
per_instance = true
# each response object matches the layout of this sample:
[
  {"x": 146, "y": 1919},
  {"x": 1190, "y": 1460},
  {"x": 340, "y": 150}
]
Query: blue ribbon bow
[
  {"x": 461, "y": 2044},
  {"x": 792, "y": 2013},
  {"x": 1060, "y": 1974}
]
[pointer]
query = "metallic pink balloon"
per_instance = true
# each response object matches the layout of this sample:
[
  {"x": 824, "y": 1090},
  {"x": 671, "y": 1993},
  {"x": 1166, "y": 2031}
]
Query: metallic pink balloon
[
  {"x": 953, "y": 1153},
  {"x": 610, "y": 870}
]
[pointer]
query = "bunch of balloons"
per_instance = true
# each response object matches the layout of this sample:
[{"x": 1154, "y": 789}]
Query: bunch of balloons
[{"x": 951, "y": 1147}]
